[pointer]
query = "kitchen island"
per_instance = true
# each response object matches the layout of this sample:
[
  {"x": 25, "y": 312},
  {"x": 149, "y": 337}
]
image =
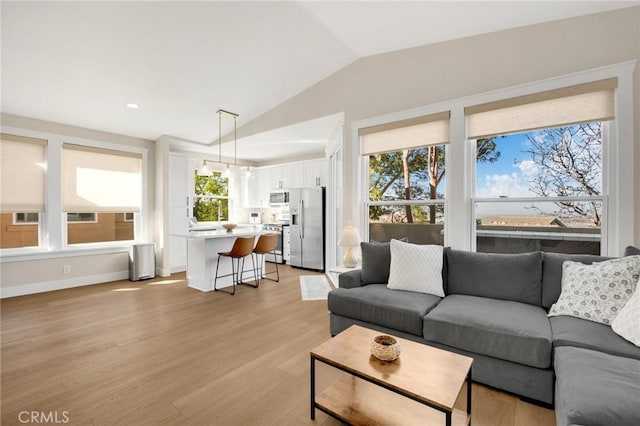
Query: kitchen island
[{"x": 202, "y": 255}]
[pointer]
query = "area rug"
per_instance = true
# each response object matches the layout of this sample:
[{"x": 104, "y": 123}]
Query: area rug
[{"x": 314, "y": 287}]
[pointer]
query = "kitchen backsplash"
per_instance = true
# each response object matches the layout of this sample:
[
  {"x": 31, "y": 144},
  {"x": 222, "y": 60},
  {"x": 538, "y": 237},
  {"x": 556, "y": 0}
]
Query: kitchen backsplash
[{"x": 268, "y": 215}]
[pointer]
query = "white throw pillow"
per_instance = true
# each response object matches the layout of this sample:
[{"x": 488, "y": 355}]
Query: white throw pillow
[
  {"x": 627, "y": 323},
  {"x": 599, "y": 291},
  {"x": 416, "y": 268}
]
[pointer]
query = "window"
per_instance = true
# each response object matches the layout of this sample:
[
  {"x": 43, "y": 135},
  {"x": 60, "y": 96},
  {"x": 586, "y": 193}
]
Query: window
[
  {"x": 99, "y": 187},
  {"x": 22, "y": 181},
  {"x": 543, "y": 187},
  {"x": 406, "y": 164},
  {"x": 211, "y": 201},
  {"x": 82, "y": 217},
  {"x": 26, "y": 218}
]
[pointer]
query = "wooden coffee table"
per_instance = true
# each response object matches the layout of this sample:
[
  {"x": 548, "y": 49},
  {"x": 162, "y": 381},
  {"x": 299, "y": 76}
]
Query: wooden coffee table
[{"x": 417, "y": 388}]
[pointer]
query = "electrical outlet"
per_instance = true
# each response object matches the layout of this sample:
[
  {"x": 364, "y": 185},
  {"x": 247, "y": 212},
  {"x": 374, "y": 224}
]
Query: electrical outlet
[{"x": 66, "y": 269}]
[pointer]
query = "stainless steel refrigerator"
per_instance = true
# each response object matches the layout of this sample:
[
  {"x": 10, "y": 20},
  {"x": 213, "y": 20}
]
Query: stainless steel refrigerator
[{"x": 306, "y": 208}]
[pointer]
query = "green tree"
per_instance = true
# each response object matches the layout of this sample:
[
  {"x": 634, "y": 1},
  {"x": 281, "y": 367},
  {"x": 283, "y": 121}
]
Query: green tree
[
  {"x": 211, "y": 196},
  {"x": 402, "y": 175}
]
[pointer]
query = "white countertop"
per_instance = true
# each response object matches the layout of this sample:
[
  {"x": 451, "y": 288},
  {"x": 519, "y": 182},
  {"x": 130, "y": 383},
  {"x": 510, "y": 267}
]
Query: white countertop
[{"x": 240, "y": 231}]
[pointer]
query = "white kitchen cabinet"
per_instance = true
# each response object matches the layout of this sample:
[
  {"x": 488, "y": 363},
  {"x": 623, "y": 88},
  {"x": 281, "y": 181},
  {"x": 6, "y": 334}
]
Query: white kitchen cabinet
[
  {"x": 314, "y": 173},
  {"x": 297, "y": 176},
  {"x": 180, "y": 189},
  {"x": 179, "y": 180},
  {"x": 258, "y": 189},
  {"x": 279, "y": 177}
]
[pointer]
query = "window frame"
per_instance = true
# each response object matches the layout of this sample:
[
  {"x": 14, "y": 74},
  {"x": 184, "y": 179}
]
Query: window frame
[
  {"x": 618, "y": 230},
  {"x": 364, "y": 162},
  {"x": 93, "y": 220},
  {"x": 213, "y": 197},
  {"x": 602, "y": 198},
  {"x": 53, "y": 222},
  {"x": 16, "y": 222}
]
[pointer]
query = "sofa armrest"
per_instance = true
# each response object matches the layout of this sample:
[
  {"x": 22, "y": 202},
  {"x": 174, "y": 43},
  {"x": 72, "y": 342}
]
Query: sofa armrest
[{"x": 350, "y": 279}]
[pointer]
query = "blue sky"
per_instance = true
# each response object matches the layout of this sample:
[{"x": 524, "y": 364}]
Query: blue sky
[{"x": 509, "y": 176}]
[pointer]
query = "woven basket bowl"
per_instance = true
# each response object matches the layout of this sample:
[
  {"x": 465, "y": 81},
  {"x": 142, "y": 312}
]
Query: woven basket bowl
[{"x": 385, "y": 348}]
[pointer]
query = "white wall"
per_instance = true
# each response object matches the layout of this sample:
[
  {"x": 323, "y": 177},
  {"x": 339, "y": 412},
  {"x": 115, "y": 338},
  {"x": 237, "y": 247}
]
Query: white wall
[
  {"x": 426, "y": 75},
  {"x": 34, "y": 273}
]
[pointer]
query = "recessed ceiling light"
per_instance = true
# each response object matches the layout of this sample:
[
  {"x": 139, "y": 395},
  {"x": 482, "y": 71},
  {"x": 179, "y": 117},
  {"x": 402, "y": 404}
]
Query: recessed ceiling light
[{"x": 132, "y": 105}]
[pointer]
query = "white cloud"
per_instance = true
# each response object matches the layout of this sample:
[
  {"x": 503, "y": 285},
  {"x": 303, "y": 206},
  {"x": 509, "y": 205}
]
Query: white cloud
[
  {"x": 504, "y": 185},
  {"x": 528, "y": 168}
]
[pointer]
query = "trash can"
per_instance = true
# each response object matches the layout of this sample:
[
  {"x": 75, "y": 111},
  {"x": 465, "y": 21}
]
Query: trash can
[{"x": 142, "y": 262}]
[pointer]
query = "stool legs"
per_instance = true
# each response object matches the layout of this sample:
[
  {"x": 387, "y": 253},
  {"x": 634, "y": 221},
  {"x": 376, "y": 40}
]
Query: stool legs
[
  {"x": 261, "y": 271},
  {"x": 237, "y": 272},
  {"x": 255, "y": 279}
]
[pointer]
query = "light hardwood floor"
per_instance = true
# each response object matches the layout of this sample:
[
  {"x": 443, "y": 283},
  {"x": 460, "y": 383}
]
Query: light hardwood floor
[{"x": 158, "y": 352}]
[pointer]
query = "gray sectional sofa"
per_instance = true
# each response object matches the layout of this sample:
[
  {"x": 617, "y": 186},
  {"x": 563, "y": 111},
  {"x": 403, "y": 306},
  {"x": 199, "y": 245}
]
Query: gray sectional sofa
[{"x": 495, "y": 310}]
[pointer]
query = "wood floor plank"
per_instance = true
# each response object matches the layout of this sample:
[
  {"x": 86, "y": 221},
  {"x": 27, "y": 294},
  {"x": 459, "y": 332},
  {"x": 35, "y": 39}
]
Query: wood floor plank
[{"x": 159, "y": 352}]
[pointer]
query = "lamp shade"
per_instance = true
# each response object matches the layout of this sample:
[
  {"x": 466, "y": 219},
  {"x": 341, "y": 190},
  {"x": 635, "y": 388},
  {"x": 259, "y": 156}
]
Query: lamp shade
[
  {"x": 350, "y": 237},
  {"x": 204, "y": 170}
]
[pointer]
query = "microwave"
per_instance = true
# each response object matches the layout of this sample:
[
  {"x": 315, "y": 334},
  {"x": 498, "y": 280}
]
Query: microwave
[{"x": 279, "y": 198}]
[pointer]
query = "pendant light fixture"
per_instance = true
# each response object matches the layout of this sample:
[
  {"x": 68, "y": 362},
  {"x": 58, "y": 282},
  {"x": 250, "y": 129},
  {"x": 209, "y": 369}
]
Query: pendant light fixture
[
  {"x": 205, "y": 169},
  {"x": 227, "y": 170}
]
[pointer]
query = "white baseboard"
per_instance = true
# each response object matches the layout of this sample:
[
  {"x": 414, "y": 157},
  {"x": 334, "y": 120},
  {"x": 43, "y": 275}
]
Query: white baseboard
[{"x": 23, "y": 290}]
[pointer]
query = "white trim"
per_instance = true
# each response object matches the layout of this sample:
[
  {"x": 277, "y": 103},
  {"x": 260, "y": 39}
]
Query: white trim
[
  {"x": 427, "y": 202},
  {"x": 53, "y": 226},
  {"x": 26, "y": 254},
  {"x": 21, "y": 290},
  {"x": 539, "y": 199},
  {"x": 334, "y": 204}
]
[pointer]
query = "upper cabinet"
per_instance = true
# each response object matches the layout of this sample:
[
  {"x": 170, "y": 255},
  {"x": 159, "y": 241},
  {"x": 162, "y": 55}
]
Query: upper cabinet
[
  {"x": 314, "y": 173},
  {"x": 279, "y": 177},
  {"x": 179, "y": 174},
  {"x": 296, "y": 175}
]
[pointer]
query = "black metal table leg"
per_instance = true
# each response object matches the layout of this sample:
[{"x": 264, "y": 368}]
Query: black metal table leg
[
  {"x": 469, "y": 396},
  {"x": 313, "y": 389},
  {"x": 448, "y": 418}
]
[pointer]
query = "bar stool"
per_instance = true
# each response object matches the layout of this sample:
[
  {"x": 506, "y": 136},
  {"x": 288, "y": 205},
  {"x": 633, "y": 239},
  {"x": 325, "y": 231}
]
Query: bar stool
[
  {"x": 266, "y": 244},
  {"x": 242, "y": 247}
]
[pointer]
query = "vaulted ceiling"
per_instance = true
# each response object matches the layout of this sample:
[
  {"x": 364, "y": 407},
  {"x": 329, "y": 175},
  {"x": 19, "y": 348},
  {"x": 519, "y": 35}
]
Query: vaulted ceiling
[{"x": 79, "y": 63}]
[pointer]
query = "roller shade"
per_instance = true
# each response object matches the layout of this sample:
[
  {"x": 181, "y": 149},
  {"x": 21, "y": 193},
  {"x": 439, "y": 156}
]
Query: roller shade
[
  {"x": 22, "y": 174},
  {"x": 99, "y": 180},
  {"x": 415, "y": 132},
  {"x": 582, "y": 103}
]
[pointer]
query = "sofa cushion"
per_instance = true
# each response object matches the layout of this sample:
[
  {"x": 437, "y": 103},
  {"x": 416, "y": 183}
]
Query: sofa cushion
[
  {"x": 515, "y": 277},
  {"x": 375, "y": 303},
  {"x": 594, "y": 388},
  {"x": 599, "y": 291},
  {"x": 571, "y": 331},
  {"x": 552, "y": 273},
  {"x": 631, "y": 251},
  {"x": 376, "y": 258},
  {"x": 626, "y": 324},
  {"x": 376, "y": 261},
  {"x": 350, "y": 279},
  {"x": 504, "y": 329},
  {"x": 416, "y": 268}
]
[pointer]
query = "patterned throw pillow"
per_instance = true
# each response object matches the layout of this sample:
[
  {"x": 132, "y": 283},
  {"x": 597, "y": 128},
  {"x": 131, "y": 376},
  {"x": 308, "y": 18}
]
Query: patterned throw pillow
[
  {"x": 626, "y": 324},
  {"x": 416, "y": 268},
  {"x": 597, "y": 292}
]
